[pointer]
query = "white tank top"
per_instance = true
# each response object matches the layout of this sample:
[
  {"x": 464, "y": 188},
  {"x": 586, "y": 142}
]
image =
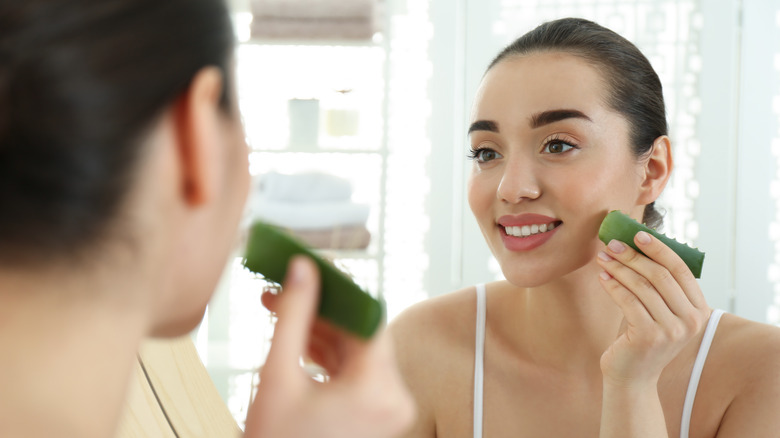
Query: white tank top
[{"x": 479, "y": 354}]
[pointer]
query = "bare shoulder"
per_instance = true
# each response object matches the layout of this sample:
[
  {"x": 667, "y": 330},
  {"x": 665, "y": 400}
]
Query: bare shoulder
[
  {"x": 743, "y": 342},
  {"x": 434, "y": 345},
  {"x": 747, "y": 355},
  {"x": 437, "y": 323}
]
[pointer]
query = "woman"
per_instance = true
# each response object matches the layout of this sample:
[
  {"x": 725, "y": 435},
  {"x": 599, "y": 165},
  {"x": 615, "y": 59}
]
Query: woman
[
  {"x": 580, "y": 339},
  {"x": 123, "y": 174}
]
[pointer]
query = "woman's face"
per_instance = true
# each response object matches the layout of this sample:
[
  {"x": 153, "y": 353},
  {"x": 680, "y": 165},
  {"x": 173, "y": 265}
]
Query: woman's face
[{"x": 550, "y": 160}]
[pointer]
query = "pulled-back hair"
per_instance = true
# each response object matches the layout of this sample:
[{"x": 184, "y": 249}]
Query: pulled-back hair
[
  {"x": 81, "y": 81},
  {"x": 634, "y": 89}
]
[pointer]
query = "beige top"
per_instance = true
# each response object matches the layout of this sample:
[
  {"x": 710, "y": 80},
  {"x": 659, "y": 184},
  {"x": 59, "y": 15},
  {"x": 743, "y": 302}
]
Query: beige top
[{"x": 172, "y": 396}]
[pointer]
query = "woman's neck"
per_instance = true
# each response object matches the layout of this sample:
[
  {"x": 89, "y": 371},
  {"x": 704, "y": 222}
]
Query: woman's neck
[
  {"x": 565, "y": 325},
  {"x": 68, "y": 346}
]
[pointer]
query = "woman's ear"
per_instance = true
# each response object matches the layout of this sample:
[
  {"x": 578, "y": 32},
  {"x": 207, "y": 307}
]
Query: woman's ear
[
  {"x": 657, "y": 169},
  {"x": 198, "y": 124}
]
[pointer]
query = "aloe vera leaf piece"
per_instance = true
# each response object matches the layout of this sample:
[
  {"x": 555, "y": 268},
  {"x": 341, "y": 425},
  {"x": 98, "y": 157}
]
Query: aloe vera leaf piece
[
  {"x": 619, "y": 226},
  {"x": 342, "y": 302}
]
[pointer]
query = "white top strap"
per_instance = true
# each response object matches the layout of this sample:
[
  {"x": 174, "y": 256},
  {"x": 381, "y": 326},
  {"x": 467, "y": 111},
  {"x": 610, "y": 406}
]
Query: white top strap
[
  {"x": 698, "y": 366},
  {"x": 479, "y": 354}
]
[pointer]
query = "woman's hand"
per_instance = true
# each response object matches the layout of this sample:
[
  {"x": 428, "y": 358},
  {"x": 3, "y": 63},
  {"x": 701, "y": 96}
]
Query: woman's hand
[
  {"x": 662, "y": 304},
  {"x": 364, "y": 396}
]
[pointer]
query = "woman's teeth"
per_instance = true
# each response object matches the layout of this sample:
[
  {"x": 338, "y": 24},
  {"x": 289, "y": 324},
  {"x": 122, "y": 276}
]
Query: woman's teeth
[{"x": 529, "y": 230}]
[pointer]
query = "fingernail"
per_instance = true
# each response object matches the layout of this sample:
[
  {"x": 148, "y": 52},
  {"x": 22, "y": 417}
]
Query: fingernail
[
  {"x": 616, "y": 246},
  {"x": 294, "y": 272},
  {"x": 643, "y": 237},
  {"x": 605, "y": 275},
  {"x": 604, "y": 256}
]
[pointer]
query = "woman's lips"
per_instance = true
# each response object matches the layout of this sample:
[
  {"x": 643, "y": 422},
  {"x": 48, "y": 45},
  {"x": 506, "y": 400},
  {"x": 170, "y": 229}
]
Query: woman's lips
[{"x": 528, "y": 231}]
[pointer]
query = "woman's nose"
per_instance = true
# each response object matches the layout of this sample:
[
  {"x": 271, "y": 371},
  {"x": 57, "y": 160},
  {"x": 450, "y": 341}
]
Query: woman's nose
[{"x": 518, "y": 183}]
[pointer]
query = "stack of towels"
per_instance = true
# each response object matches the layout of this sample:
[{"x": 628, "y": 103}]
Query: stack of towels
[
  {"x": 315, "y": 19},
  {"x": 316, "y": 207}
]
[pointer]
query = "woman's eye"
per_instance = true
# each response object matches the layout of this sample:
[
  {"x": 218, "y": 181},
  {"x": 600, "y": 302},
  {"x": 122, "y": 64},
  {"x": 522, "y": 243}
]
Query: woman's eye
[
  {"x": 484, "y": 155},
  {"x": 558, "y": 147}
]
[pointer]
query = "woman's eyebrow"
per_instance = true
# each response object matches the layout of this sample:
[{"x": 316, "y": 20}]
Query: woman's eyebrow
[
  {"x": 537, "y": 120},
  {"x": 483, "y": 125},
  {"x": 552, "y": 116}
]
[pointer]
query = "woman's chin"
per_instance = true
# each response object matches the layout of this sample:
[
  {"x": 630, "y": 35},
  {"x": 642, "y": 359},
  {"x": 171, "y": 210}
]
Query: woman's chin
[
  {"x": 526, "y": 278},
  {"x": 179, "y": 325},
  {"x": 530, "y": 276}
]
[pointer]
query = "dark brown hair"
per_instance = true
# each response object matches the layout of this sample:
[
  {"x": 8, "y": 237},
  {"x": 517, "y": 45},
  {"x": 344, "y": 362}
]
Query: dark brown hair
[
  {"x": 635, "y": 90},
  {"x": 80, "y": 83}
]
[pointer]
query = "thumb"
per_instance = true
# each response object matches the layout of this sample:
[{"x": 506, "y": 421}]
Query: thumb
[{"x": 296, "y": 308}]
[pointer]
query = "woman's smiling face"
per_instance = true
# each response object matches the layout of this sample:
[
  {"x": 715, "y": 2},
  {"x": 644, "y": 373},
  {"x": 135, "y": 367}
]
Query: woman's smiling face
[{"x": 550, "y": 160}]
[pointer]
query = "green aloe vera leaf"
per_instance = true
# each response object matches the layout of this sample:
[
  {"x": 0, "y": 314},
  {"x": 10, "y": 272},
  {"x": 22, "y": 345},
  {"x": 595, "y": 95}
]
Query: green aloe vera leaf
[
  {"x": 342, "y": 302},
  {"x": 619, "y": 226}
]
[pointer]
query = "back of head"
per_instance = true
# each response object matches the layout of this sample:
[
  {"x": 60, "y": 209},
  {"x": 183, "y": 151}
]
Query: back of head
[
  {"x": 635, "y": 91},
  {"x": 80, "y": 83}
]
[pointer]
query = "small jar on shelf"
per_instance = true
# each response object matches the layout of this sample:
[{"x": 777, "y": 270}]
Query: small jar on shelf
[{"x": 304, "y": 124}]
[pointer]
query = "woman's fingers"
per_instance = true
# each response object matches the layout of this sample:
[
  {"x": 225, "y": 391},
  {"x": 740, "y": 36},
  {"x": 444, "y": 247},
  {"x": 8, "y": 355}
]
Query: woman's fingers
[
  {"x": 296, "y": 308},
  {"x": 633, "y": 307},
  {"x": 653, "y": 278},
  {"x": 657, "y": 289},
  {"x": 675, "y": 270},
  {"x": 328, "y": 345},
  {"x": 364, "y": 396},
  {"x": 633, "y": 292},
  {"x": 270, "y": 300}
]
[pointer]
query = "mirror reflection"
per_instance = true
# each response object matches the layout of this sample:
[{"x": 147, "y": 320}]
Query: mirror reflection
[{"x": 366, "y": 128}]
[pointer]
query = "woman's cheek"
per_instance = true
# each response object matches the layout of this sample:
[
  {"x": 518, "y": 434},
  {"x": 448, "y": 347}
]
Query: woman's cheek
[{"x": 479, "y": 194}]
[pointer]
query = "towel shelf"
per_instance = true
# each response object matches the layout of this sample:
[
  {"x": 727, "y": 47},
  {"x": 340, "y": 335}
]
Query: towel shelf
[{"x": 343, "y": 75}]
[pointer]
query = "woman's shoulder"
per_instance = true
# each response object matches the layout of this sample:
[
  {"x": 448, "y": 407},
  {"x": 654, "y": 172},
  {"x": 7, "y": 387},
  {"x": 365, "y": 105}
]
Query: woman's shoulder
[
  {"x": 440, "y": 327},
  {"x": 434, "y": 347},
  {"x": 746, "y": 366},
  {"x": 749, "y": 350},
  {"x": 746, "y": 353},
  {"x": 441, "y": 317},
  {"x": 446, "y": 316},
  {"x": 743, "y": 341}
]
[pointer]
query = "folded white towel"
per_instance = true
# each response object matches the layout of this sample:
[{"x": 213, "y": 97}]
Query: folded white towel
[
  {"x": 309, "y": 215},
  {"x": 304, "y": 187}
]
